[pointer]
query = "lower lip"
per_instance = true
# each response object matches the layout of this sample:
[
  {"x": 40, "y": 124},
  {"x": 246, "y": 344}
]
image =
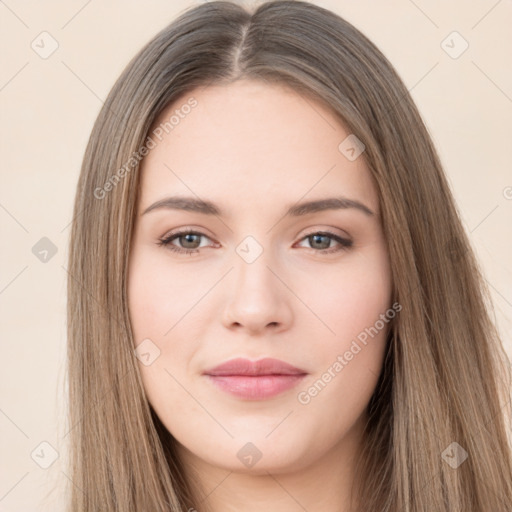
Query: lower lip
[{"x": 255, "y": 387}]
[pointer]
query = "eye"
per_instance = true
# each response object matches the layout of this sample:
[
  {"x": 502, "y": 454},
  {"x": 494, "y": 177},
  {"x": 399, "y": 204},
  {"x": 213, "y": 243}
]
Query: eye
[
  {"x": 320, "y": 240},
  {"x": 189, "y": 237}
]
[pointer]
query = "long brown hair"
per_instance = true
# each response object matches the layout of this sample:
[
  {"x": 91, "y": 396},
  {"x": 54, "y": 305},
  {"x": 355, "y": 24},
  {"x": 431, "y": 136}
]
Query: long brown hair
[{"x": 444, "y": 390}]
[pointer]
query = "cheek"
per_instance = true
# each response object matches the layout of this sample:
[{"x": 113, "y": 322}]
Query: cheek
[
  {"x": 158, "y": 298},
  {"x": 349, "y": 298},
  {"x": 353, "y": 301},
  {"x": 348, "y": 360},
  {"x": 161, "y": 313}
]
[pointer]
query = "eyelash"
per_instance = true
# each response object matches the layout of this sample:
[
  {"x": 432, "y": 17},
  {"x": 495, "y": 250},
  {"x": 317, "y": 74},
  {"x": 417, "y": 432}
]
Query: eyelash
[{"x": 345, "y": 243}]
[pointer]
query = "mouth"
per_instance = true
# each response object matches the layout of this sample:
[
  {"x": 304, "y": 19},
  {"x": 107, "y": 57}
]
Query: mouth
[{"x": 255, "y": 380}]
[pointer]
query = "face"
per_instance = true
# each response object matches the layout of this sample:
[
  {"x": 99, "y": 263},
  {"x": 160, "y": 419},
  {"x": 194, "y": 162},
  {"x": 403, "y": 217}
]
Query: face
[{"x": 310, "y": 287}]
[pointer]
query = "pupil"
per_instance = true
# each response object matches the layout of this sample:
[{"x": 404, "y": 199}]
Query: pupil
[
  {"x": 315, "y": 237},
  {"x": 187, "y": 237}
]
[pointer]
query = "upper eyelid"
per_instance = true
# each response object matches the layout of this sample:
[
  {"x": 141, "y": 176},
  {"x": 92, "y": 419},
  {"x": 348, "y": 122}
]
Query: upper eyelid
[
  {"x": 186, "y": 231},
  {"x": 193, "y": 231}
]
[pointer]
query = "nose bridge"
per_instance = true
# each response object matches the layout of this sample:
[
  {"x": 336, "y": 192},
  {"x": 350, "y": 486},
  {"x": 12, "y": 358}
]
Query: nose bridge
[{"x": 252, "y": 272}]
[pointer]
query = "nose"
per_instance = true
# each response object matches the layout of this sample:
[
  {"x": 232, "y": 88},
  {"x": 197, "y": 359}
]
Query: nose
[{"x": 258, "y": 299}]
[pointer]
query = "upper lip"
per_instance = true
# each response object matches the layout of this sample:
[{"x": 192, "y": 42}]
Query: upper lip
[{"x": 266, "y": 366}]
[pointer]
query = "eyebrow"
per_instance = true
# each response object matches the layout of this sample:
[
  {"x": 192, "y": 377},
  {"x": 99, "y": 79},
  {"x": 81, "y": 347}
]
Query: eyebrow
[{"x": 208, "y": 208}]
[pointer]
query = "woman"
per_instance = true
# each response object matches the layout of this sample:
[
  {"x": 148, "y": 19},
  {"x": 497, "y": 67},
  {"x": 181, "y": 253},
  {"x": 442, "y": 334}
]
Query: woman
[{"x": 219, "y": 359}]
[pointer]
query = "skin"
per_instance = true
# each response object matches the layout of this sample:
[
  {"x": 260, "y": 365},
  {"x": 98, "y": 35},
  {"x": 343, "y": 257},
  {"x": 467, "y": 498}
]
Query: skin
[{"x": 254, "y": 149}]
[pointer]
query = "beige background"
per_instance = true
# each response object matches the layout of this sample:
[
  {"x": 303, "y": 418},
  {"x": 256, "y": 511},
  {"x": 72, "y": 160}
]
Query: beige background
[{"x": 48, "y": 107}]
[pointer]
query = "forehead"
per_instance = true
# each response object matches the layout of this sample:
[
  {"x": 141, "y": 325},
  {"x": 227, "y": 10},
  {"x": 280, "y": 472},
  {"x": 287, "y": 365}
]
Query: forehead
[{"x": 252, "y": 143}]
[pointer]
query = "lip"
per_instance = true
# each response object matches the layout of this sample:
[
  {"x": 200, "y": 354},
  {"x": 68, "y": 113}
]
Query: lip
[{"x": 255, "y": 380}]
